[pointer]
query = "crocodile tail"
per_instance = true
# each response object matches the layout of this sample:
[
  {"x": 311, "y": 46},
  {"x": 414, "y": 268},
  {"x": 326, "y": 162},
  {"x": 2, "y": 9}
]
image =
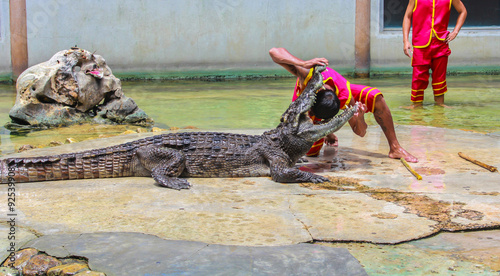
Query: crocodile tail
[
  {"x": 4, "y": 172},
  {"x": 100, "y": 163}
]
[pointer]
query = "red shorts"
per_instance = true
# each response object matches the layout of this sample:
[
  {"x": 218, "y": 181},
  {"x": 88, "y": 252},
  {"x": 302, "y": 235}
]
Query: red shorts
[
  {"x": 433, "y": 58},
  {"x": 425, "y": 56},
  {"x": 365, "y": 94}
]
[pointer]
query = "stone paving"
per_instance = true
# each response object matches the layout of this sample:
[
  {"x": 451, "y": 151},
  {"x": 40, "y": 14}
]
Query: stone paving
[
  {"x": 140, "y": 254},
  {"x": 372, "y": 199}
]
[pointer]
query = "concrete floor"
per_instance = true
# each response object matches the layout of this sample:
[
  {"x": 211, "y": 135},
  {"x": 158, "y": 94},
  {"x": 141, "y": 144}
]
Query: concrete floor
[{"x": 392, "y": 223}]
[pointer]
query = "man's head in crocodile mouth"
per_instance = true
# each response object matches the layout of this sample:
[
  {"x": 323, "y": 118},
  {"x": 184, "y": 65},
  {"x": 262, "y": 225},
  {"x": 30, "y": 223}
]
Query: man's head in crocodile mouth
[{"x": 327, "y": 104}]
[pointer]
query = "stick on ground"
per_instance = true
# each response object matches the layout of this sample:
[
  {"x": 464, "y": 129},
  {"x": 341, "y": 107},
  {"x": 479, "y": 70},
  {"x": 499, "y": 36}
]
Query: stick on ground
[
  {"x": 410, "y": 169},
  {"x": 479, "y": 163}
]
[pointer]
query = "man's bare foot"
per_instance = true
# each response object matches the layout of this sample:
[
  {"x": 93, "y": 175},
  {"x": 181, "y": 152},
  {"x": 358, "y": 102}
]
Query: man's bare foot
[
  {"x": 402, "y": 153},
  {"x": 443, "y": 105},
  {"x": 413, "y": 106}
]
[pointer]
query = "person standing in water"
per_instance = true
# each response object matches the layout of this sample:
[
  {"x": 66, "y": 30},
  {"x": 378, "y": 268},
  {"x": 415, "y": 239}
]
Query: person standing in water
[
  {"x": 430, "y": 40},
  {"x": 370, "y": 100}
]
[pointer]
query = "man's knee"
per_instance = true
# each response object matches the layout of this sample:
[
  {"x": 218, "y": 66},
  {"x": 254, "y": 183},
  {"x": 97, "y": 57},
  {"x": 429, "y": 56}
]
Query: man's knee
[{"x": 380, "y": 104}]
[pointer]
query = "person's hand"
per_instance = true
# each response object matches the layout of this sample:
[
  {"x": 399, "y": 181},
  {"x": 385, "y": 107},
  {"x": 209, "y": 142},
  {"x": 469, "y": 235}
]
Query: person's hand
[
  {"x": 331, "y": 140},
  {"x": 362, "y": 109},
  {"x": 450, "y": 37},
  {"x": 308, "y": 64},
  {"x": 357, "y": 121},
  {"x": 407, "y": 49}
]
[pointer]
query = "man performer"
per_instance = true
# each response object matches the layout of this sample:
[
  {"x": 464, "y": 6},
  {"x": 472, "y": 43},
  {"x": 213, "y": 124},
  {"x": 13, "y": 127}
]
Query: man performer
[
  {"x": 370, "y": 99},
  {"x": 430, "y": 39}
]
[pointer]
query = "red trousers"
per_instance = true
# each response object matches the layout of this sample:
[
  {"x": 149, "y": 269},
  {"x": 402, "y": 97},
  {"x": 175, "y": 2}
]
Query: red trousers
[{"x": 435, "y": 58}]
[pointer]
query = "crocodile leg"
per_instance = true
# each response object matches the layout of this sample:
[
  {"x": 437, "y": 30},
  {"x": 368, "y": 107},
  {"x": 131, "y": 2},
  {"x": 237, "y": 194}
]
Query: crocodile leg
[
  {"x": 165, "y": 165},
  {"x": 281, "y": 172}
]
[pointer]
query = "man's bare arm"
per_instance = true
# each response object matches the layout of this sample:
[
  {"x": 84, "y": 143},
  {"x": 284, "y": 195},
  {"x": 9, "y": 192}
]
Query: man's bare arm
[
  {"x": 357, "y": 122},
  {"x": 406, "y": 27},
  {"x": 296, "y": 66},
  {"x": 462, "y": 14}
]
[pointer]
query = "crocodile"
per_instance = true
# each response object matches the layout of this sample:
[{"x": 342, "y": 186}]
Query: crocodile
[{"x": 171, "y": 158}]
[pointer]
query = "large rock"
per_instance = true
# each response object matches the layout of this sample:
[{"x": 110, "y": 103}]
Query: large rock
[{"x": 74, "y": 86}]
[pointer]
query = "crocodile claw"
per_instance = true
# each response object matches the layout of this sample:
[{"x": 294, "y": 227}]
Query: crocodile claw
[
  {"x": 172, "y": 182},
  {"x": 318, "y": 179}
]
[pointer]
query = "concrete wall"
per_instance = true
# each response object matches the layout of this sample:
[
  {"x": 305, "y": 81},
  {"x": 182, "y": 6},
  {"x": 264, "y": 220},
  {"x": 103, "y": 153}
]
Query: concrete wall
[
  {"x": 170, "y": 35},
  {"x": 5, "y": 66},
  {"x": 136, "y": 35}
]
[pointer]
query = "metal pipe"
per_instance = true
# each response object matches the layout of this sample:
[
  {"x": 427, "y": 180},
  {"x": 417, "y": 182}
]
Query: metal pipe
[
  {"x": 18, "y": 37},
  {"x": 362, "y": 39}
]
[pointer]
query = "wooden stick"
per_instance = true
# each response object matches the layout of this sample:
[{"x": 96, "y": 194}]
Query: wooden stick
[
  {"x": 410, "y": 169},
  {"x": 481, "y": 164}
]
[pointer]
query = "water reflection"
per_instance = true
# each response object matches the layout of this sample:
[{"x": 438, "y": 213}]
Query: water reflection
[
  {"x": 430, "y": 155},
  {"x": 431, "y": 115},
  {"x": 258, "y": 104}
]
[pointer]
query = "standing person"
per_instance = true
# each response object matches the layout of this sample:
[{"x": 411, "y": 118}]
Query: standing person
[
  {"x": 430, "y": 39},
  {"x": 371, "y": 100}
]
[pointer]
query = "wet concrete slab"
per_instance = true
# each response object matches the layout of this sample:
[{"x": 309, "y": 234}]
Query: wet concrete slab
[
  {"x": 371, "y": 198},
  {"x": 458, "y": 253},
  {"x": 139, "y": 254}
]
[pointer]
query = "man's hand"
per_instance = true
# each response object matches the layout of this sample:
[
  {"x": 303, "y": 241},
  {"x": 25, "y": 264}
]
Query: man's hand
[
  {"x": 408, "y": 49},
  {"x": 357, "y": 121},
  {"x": 362, "y": 109},
  {"x": 308, "y": 64},
  {"x": 331, "y": 140},
  {"x": 450, "y": 37}
]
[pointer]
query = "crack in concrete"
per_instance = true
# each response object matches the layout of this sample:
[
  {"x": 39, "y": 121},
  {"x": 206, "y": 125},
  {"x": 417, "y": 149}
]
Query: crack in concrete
[
  {"x": 27, "y": 228},
  {"x": 440, "y": 211},
  {"x": 32, "y": 231},
  {"x": 305, "y": 226},
  {"x": 197, "y": 251}
]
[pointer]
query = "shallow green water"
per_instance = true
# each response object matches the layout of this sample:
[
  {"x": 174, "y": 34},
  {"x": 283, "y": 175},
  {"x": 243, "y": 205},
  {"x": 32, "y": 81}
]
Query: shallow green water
[
  {"x": 257, "y": 104},
  {"x": 474, "y": 102}
]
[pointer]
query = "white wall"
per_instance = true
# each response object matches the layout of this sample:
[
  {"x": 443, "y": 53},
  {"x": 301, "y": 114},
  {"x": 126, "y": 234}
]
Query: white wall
[
  {"x": 134, "y": 35},
  {"x": 173, "y": 35},
  {"x": 5, "y": 67}
]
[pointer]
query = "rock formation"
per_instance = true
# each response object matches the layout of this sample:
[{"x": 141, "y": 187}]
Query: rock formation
[{"x": 74, "y": 86}]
